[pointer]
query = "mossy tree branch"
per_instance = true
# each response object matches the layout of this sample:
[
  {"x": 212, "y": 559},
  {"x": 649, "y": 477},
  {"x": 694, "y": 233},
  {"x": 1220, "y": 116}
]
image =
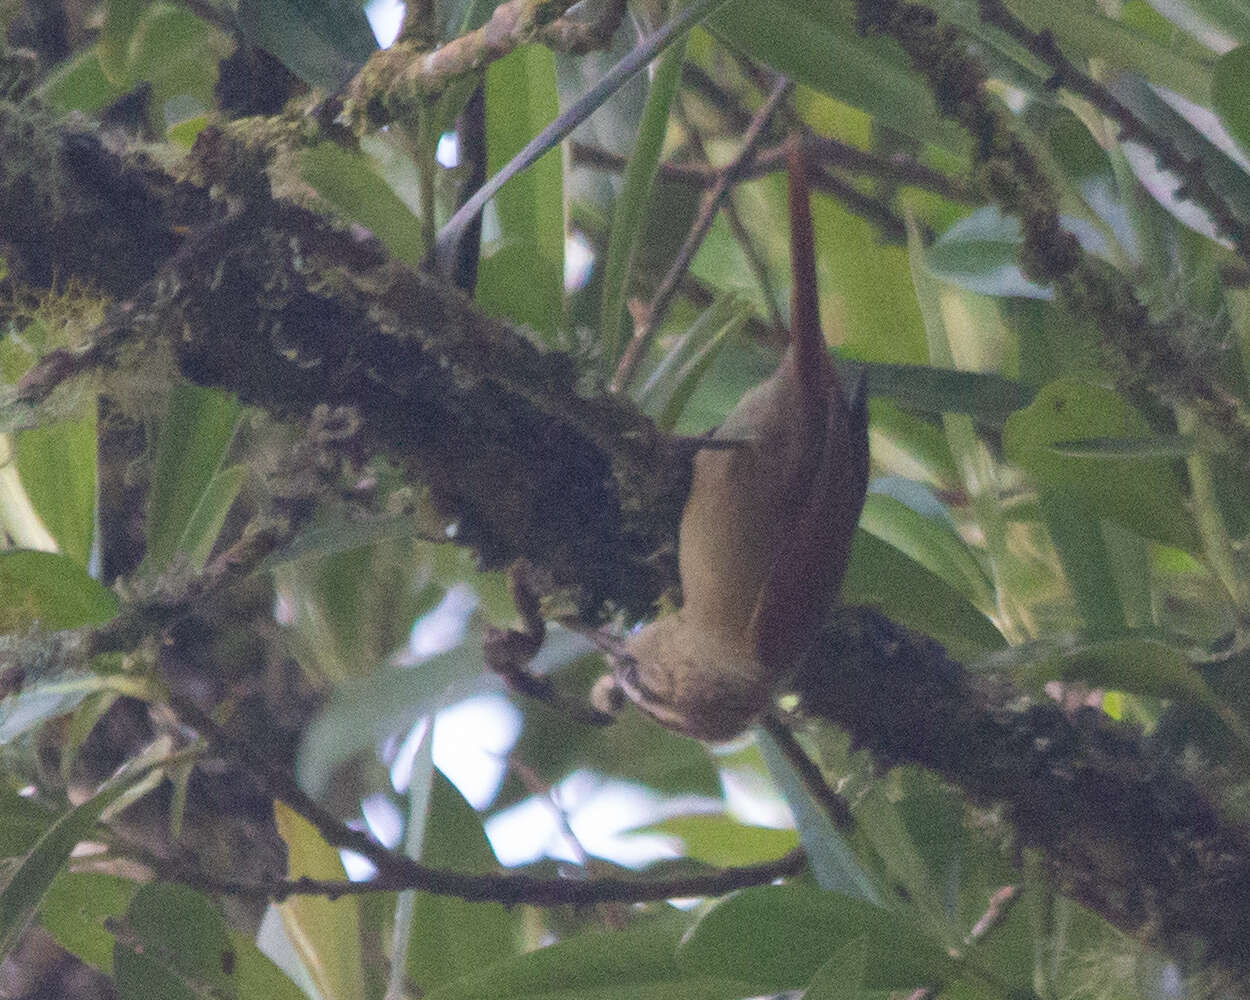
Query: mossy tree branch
[{"x": 292, "y": 313}]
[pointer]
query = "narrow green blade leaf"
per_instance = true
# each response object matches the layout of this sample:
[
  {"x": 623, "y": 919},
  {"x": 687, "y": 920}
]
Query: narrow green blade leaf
[
  {"x": 204, "y": 524},
  {"x": 676, "y": 378},
  {"x": 28, "y": 882},
  {"x": 632, "y": 204},
  {"x": 195, "y": 434},
  {"x": 349, "y": 182},
  {"x": 521, "y": 276},
  {"x": 326, "y": 933},
  {"x": 57, "y": 466},
  {"x": 830, "y": 857},
  {"x": 1230, "y": 93},
  {"x": 363, "y": 712}
]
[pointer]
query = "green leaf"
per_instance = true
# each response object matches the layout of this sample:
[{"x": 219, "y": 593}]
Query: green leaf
[
  {"x": 842, "y": 977},
  {"x": 775, "y": 937},
  {"x": 364, "y": 711},
  {"x": 607, "y": 85},
  {"x": 256, "y": 975},
  {"x": 1229, "y": 93},
  {"x": 22, "y": 822},
  {"x": 718, "y": 839},
  {"x": 451, "y": 937},
  {"x": 1142, "y": 493},
  {"x": 675, "y": 378},
  {"x": 1192, "y": 138},
  {"x": 75, "y": 909},
  {"x": 172, "y": 944},
  {"x": 1233, "y": 16},
  {"x": 1086, "y": 32},
  {"x": 636, "y": 962},
  {"x": 121, "y": 19},
  {"x": 796, "y": 38},
  {"x": 981, "y": 253},
  {"x": 879, "y": 816},
  {"x": 522, "y": 275},
  {"x": 353, "y": 610},
  {"x": 195, "y": 435},
  {"x": 326, "y": 933},
  {"x": 987, "y": 397},
  {"x": 1155, "y": 446},
  {"x": 331, "y": 535},
  {"x": 204, "y": 525},
  {"x": 78, "y": 84},
  {"x": 57, "y": 466},
  {"x": 931, "y": 542},
  {"x": 50, "y": 590},
  {"x": 632, "y": 204},
  {"x": 177, "y": 53},
  {"x": 879, "y": 574},
  {"x": 30, "y": 878},
  {"x": 323, "y": 42},
  {"x": 1087, "y": 563},
  {"x": 51, "y": 696},
  {"x": 349, "y": 182},
  {"x": 833, "y": 864}
]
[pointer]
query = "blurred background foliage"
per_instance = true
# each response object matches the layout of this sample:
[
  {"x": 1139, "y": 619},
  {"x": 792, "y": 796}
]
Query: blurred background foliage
[{"x": 1037, "y": 505}]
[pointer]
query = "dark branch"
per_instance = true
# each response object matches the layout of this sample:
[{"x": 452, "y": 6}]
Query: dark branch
[
  {"x": 821, "y": 151},
  {"x": 1124, "y": 831}
]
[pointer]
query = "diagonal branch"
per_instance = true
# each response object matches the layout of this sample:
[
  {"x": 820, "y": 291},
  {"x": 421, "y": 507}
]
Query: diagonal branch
[
  {"x": 657, "y": 308},
  {"x": 1123, "y": 828},
  {"x": 398, "y": 872}
]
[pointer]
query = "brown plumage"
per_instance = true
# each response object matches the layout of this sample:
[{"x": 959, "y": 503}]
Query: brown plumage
[{"x": 765, "y": 533}]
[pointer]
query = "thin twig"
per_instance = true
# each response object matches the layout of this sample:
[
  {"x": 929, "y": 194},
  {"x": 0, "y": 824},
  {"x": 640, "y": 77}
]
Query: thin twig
[
  {"x": 663, "y": 297},
  {"x": 878, "y": 212},
  {"x": 508, "y": 889},
  {"x": 754, "y": 258},
  {"x": 820, "y": 150},
  {"x": 831, "y": 802},
  {"x": 397, "y": 872},
  {"x": 1001, "y": 903}
]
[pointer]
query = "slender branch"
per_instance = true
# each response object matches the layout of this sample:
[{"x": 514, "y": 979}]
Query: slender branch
[
  {"x": 820, "y": 150},
  {"x": 1195, "y": 187},
  {"x": 755, "y": 259},
  {"x": 509, "y": 889},
  {"x": 834, "y": 805},
  {"x": 878, "y": 212},
  {"x": 663, "y": 297},
  {"x": 397, "y": 872}
]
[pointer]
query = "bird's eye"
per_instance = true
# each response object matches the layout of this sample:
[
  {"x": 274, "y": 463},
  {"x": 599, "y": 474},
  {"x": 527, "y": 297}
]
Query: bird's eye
[{"x": 629, "y": 675}]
